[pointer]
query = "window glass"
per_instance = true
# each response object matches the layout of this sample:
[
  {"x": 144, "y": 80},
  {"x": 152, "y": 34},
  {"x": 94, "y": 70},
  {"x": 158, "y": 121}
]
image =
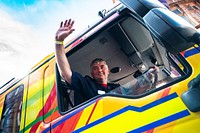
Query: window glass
[
  {"x": 189, "y": 7},
  {"x": 154, "y": 67},
  {"x": 177, "y": 11},
  {"x": 196, "y": 7},
  {"x": 154, "y": 77},
  {"x": 11, "y": 115}
]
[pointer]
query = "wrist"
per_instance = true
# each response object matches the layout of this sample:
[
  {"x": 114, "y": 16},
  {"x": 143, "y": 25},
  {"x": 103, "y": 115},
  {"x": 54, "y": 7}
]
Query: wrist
[
  {"x": 58, "y": 38},
  {"x": 59, "y": 42}
]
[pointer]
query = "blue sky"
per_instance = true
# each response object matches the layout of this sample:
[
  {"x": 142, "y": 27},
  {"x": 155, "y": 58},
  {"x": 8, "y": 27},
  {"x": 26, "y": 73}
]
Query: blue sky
[
  {"x": 27, "y": 29},
  {"x": 18, "y": 4}
]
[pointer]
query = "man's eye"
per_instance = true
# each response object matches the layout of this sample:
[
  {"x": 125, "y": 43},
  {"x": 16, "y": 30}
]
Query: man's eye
[
  {"x": 103, "y": 66},
  {"x": 94, "y": 68}
]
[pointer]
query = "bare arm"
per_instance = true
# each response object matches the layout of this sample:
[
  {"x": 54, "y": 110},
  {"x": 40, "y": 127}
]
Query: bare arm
[{"x": 64, "y": 67}]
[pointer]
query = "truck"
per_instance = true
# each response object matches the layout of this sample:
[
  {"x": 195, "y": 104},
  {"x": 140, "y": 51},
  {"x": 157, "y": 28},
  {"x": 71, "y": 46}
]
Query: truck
[{"x": 151, "y": 52}]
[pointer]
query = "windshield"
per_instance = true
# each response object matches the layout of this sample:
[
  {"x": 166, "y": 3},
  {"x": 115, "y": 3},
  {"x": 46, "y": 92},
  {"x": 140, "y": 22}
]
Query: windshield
[{"x": 154, "y": 77}]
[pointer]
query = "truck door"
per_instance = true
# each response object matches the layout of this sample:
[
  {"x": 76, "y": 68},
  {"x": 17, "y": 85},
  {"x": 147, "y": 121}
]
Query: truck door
[{"x": 34, "y": 118}]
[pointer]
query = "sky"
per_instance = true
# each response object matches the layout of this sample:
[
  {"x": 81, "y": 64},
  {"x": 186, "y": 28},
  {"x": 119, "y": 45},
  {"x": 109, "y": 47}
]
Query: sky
[{"x": 28, "y": 27}]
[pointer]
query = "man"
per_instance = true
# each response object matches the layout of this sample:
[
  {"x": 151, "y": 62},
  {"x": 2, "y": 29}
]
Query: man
[{"x": 84, "y": 87}]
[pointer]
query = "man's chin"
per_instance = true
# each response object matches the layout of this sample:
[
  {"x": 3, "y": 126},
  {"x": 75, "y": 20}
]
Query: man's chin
[{"x": 99, "y": 80}]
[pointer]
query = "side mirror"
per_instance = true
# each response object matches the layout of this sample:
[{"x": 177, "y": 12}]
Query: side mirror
[
  {"x": 175, "y": 33},
  {"x": 191, "y": 98},
  {"x": 142, "y": 7}
]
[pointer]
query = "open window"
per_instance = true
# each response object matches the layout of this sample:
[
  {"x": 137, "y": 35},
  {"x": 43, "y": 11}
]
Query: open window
[
  {"x": 136, "y": 60},
  {"x": 64, "y": 93}
]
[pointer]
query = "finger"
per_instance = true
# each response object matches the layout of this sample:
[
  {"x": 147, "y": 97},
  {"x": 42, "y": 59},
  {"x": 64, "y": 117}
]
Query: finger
[
  {"x": 71, "y": 31},
  {"x": 71, "y": 24},
  {"x": 65, "y": 23},
  {"x": 61, "y": 24}
]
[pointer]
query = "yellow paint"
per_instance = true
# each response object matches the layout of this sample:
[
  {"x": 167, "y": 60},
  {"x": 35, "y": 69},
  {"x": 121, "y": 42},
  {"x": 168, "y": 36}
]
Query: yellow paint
[
  {"x": 98, "y": 113},
  {"x": 84, "y": 116},
  {"x": 1, "y": 104},
  {"x": 131, "y": 120}
]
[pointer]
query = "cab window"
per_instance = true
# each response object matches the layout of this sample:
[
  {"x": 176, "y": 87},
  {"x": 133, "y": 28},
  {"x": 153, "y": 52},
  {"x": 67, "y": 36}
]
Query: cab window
[
  {"x": 136, "y": 59},
  {"x": 11, "y": 115}
]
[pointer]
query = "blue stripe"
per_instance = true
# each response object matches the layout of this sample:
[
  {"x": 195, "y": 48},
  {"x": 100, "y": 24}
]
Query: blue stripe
[
  {"x": 67, "y": 117},
  {"x": 191, "y": 52},
  {"x": 127, "y": 108},
  {"x": 161, "y": 122}
]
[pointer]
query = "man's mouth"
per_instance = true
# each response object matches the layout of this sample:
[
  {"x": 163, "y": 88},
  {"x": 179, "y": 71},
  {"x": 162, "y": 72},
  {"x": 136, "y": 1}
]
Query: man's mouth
[{"x": 100, "y": 74}]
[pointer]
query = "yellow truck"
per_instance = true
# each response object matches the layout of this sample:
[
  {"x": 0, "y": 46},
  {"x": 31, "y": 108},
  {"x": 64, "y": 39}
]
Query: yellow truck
[{"x": 152, "y": 53}]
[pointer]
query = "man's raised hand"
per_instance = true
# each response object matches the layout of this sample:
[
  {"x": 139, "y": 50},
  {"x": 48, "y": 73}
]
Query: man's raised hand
[{"x": 65, "y": 30}]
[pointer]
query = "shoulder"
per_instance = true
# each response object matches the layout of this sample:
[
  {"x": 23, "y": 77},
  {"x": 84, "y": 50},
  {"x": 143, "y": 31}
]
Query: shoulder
[
  {"x": 89, "y": 79},
  {"x": 79, "y": 77},
  {"x": 76, "y": 75}
]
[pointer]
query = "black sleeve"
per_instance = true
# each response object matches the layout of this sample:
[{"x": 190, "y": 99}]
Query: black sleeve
[{"x": 78, "y": 82}]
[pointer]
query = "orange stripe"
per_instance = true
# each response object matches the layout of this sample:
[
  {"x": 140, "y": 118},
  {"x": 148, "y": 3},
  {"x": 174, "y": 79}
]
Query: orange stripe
[
  {"x": 150, "y": 131},
  {"x": 166, "y": 92},
  {"x": 76, "y": 121}
]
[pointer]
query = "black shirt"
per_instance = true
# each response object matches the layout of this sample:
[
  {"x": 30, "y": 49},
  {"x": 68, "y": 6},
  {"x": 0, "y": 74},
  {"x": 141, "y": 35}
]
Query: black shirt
[{"x": 86, "y": 87}]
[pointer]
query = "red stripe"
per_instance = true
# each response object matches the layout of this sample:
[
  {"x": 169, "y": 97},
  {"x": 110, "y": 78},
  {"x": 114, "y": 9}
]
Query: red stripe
[
  {"x": 69, "y": 125},
  {"x": 92, "y": 111},
  {"x": 50, "y": 99},
  {"x": 59, "y": 128}
]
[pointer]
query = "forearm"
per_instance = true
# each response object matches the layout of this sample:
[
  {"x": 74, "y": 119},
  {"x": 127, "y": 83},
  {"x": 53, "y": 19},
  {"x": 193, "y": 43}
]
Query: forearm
[
  {"x": 63, "y": 63},
  {"x": 64, "y": 31}
]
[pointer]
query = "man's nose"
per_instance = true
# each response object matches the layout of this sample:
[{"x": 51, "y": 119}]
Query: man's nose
[{"x": 99, "y": 69}]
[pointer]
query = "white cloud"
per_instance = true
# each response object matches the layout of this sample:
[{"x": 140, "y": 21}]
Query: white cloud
[
  {"x": 26, "y": 36},
  {"x": 21, "y": 47}
]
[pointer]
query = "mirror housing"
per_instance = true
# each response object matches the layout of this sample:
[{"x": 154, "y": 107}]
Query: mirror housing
[
  {"x": 175, "y": 33},
  {"x": 191, "y": 97},
  {"x": 142, "y": 7}
]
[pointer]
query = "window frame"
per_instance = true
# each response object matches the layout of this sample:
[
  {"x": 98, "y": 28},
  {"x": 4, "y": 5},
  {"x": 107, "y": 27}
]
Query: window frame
[{"x": 117, "y": 20}]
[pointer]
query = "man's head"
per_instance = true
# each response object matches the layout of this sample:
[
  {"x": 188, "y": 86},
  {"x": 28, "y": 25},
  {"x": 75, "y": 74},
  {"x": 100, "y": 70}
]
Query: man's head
[{"x": 99, "y": 70}]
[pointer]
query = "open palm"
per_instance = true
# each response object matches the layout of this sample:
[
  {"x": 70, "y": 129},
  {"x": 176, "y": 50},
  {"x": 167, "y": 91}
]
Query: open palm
[{"x": 65, "y": 30}]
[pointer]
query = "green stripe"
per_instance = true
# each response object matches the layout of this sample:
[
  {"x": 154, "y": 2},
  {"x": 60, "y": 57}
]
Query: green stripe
[
  {"x": 34, "y": 98},
  {"x": 48, "y": 114},
  {"x": 31, "y": 124}
]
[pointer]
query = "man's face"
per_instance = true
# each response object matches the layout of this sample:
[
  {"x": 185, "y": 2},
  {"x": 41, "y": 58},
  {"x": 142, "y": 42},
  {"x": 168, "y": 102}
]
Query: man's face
[{"x": 100, "y": 71}]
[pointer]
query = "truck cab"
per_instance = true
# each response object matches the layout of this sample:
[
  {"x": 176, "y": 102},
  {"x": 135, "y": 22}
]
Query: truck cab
[{"x": 151, "y": 52}]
